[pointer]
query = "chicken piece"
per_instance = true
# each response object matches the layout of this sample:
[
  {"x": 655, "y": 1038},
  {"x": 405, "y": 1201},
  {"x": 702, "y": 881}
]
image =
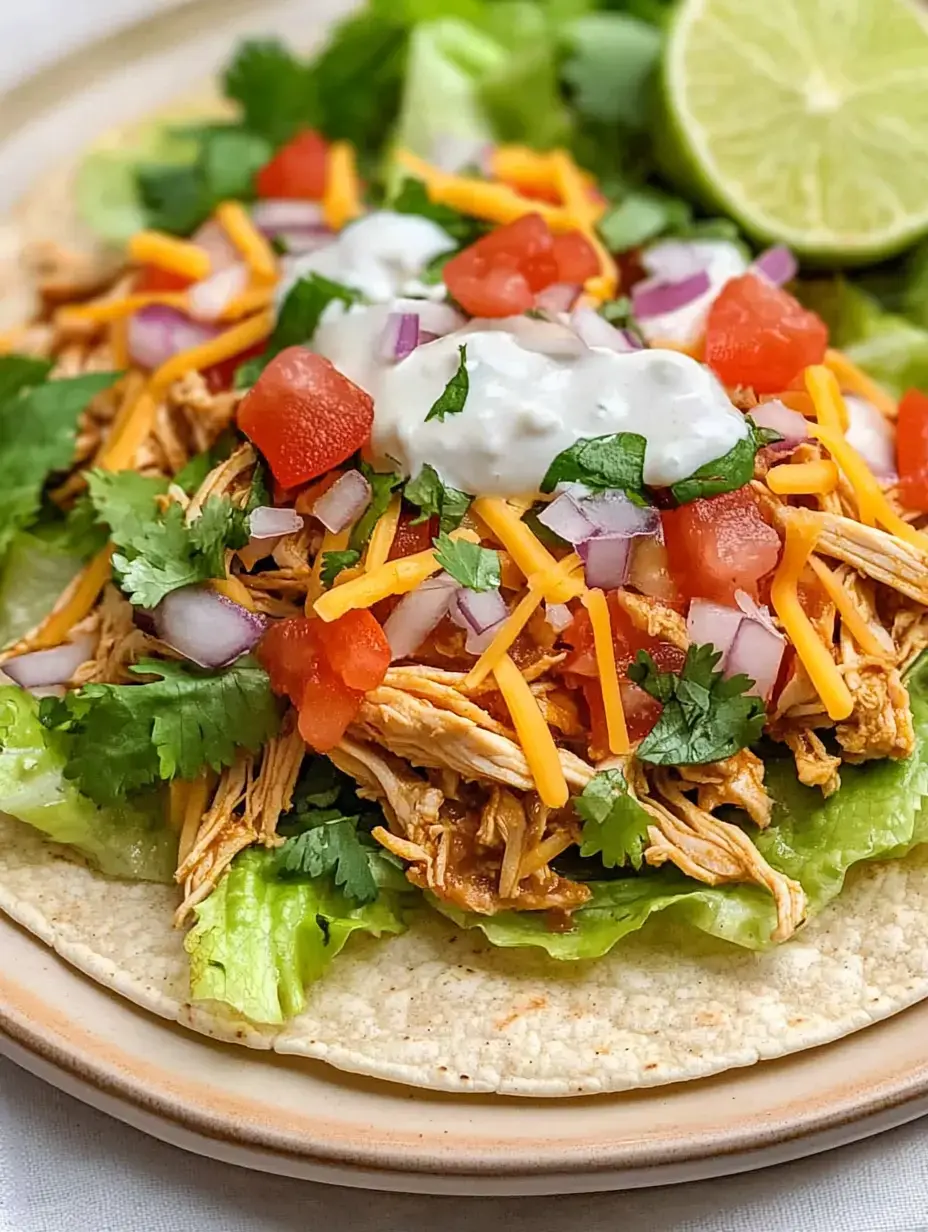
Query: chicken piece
[
  {"x": 441, "y": 689},
  {"x": 119, "y": 642},
  {"x": 715, "y": 852},
  {"x": 876, "y": 554},
  {"x": 425, "y": 735},
  {"x": 63, "y": 275},
  {"x": 653, "y": 617},
  {"x": 412, "y": 804},
  {"x": 200, "y": 417},
  {"x": 910, "y": 635},
  {"x": 292, "y": 552},
  {"x": 815, "y": 766},
  {"x": 738, "y": 780},
  {"x": 223, "y": 480}
]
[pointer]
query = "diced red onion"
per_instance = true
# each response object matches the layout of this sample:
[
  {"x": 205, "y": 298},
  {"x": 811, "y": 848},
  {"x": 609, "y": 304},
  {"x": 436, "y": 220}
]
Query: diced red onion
[
  {"x": 276, "y": 214},
  {"x": 477, "y": 643},
  {"x": 206, "y": 627},
  {"x": 872, "y": 435},
  {"x": 558, "y": 616},
  {"x": 417, "y": 614},
  {"x": 596, "y": 331},
  {"x": 400, "y": 336},
  {"x": 344, "y": 502},
  {"x": 653, "y": 298},
  {"x": 297, "y": 243},
  {"x": 48, "y": 690},
  {"x": 756, "y": 611},
  {"x": 426, "y": 336},
  {"x": 210, "y": 298},
  {"x": 481, "y": 608},
  {"x": 434, "y": 318},
  {"x": 713, "y": 624},
  {"x": 756, "y": 652},
  {"x": 606, "y": 560},
  {"x": 157, "y": 333},
  {"x": 612, "y": 513},
  {"x": 559, "y": 297},
  {"x": 792, "y": 426},
  {"x": 43, "y": 668},
  {"x": 266, "y": 522},
  {"x": 534, "y": 334},
  {"x": 212, "y": 238},
  {"x": 671, "y": 260},
  {"x": 566, "y": 518},
  {"x": 777, "y": 265}
]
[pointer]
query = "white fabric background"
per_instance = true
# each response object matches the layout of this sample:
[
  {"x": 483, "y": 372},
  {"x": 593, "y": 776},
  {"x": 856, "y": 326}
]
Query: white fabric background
[{"x": 67, "y": 1168}]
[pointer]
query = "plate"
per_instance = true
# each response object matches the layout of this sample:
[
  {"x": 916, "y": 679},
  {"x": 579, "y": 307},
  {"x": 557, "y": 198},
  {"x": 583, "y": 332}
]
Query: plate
[{"x": 304, "y": 1119}]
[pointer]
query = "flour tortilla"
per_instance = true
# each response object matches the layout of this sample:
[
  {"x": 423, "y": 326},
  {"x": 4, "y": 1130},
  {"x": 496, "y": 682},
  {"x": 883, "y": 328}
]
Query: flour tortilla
[{"x": 442, "y": 1008}]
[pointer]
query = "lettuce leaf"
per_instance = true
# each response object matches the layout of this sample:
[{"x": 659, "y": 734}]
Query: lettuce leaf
[
  {"x": 259, "y": 941},
  {"x": 32, "y": 576},
  {"x": 129, "y": 841}
]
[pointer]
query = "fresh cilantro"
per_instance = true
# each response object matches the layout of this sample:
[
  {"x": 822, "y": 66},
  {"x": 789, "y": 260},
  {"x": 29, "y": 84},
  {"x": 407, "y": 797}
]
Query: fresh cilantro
[
  {"x": 274, "y": 89},
  {"x": 38, "y": 429},
  {"x": 259, "y": 493},
  {"x": 641, "y": 216},
  {"x": 298, "y": 320},
  {"x": 413, "y": 198},
  {"x": 435, "y": 499},
  {"x": 455, "y": 392},
  {"x": 469, "y": 564},
  {"x": 160, "y": 551},
  {"x": 383, "y": 485},
  {"x": 119, "y": 738},
  {"x": 601, "y": 463},
  {"x": 319, "y": 785},
  {"x": 330, "y": 847},
  {"x": 705, "y": 718},
  {"x": 613, "y": 58},
  {"x": 733, "y": 470},
  {"x": 615, "y": 826},
  {"x": 334, "y": 562}
]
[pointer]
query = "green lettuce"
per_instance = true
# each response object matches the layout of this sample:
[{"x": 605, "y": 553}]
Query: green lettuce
[
  {"x": 130, "y": 840},
  {"x": 33, "y": 574},
  {"x": 259, "y": 941}
]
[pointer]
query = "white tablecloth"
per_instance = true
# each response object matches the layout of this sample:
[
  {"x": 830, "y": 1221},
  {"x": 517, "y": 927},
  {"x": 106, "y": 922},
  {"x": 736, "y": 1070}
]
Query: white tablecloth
[{"x": 66, "y": 1168}]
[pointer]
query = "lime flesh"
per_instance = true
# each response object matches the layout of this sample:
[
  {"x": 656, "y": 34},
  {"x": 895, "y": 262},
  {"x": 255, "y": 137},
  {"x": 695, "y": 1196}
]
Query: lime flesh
[{"x": 807, "y": 120}]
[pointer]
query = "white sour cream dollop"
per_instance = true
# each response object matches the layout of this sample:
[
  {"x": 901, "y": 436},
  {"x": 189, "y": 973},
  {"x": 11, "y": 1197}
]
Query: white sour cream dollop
[
  {"x": 379, "y": 255},
  {"x": 721, "y": 260}
]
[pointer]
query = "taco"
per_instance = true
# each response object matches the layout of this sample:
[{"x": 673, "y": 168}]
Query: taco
[{"x": 462, "y": 612}]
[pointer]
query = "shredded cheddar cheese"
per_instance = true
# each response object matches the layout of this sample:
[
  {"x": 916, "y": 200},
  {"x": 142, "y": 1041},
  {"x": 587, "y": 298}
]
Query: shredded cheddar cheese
[
  {"x": 76, "y": 602},
  {"x": 830, "y": 409},
  {"x": 253, "y": 246},
  {"x": 861, "y": 632},
  {"x": 342, "y": 200},
  {"x": 815, "y": 656},
  {"x": 534, "y": 734},
  {"x": 382, "y": 536},
  {"x": 177, "y": 803},
  {"x": 543, "y": 854},
  {"x": 595, "y": 603},
  {"x": 332, "y": 541},
  {"x": 195, "y": 800},
  {"x": 803, "y": 478},
  {"x": 855, "y": 381},
  {"x": 531, "y": 556},
  {"x": 119, "y": 344},
  {"x": 105, "y": 311},
  {"x": 251, "y": 300},
  {"x": 575, "y": 194},
  {"x": 167, "y": 252},
  {"x": 480, "y": 199}
]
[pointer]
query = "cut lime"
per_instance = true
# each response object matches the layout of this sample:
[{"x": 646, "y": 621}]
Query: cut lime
[{"x": 807, "y": 120}]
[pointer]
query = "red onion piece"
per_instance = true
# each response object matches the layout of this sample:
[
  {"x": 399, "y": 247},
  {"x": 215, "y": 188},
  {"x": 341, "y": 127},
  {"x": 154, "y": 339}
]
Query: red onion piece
[
  {"x": 212, "y": 238},
  {"x": 606, "y": 560},
  {"x": 792, "y": 426},
  {"x": 206, "y": 627},
  {"x": 400, "y": 336},
  {"x": 157, "y": 332},
  {"x": 612, "y": 513},
  {"x": 266, "y": 522},
  {"x": 417, "y": 614},
  {"x": 43, "y": 668},
  {"x": 559, "y": 297},
  {"x": 558, "y": 616},
  {"x": 671, "y": 260},
  {"x": 477, "y": 643},
  {"x": 872, "y": 435},
  {"x": 757, "y": 653},
  {"x": 756, "y": 611},
  {"x": 434, "y": 318},
  {"x": 276, "y": 214},
  {"x": 713, "y": 624},
  {"x": 596, "y": 331},
  {"x": 653, "y": 299},
  {"x": 777, "y": 265},
  {"x": 481, "y": 608},
  {"x": 299, "y": 242},
  {"x": 210, "y": 298},
  {"x": 565, "y": 516},
  {"x": 344, "y": 502}
]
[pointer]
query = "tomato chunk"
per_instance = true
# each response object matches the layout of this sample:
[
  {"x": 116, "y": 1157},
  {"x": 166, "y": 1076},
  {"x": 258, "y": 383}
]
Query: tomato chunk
[
  {"x": 719, "y": 545},
  {"x": 576, "y": 257},
  {"x": 356, "y": 648},
  {"x": 912, "y": 450},
  {"x": 412, "y": 536},
  {"x": 760, "y": 336},
  {"x": 304, "y": 416},
  {"x": 499, "y": 275},
  {"x": 297, "y": 171},
  {"x": 288, "y": 652},
  {"x": 328, "y": 708}
]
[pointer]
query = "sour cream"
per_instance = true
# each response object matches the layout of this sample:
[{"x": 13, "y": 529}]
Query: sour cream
[
  {"x": 534, "y": 390},
  {"x": 379, "y": 255},
  {"x": 675, "y": 260}
]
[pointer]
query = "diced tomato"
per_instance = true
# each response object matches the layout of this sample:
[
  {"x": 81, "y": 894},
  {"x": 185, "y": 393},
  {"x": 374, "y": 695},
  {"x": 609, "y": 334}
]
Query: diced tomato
[
  {"x": 327, "y": 709},
  {"x": 760, "y": 336},
  {"x": 288, "y": 652},
  {"x": 912, "y": 450},
  {"x": 297, "y": 171},
  {"x": 152, "y": 279},
  {"x": 356, "y": 648},
  {"x": 305, "y": 416},
  {"x": 219, "y": 377},
  {"x": 576, "y": 257},
  {"x": 495, "y": 293},
  {"x": 412, "y": 537},
  {"x": 499, "y": 274},
  {"x": 719, "y": 545}
]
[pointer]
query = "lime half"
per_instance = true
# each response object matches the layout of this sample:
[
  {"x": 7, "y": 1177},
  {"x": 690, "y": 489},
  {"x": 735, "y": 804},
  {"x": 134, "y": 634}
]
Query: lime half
[{"x": 807, "y": 120}]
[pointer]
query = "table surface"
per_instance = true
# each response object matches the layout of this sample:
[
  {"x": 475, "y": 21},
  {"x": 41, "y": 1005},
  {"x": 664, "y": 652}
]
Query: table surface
[{"x": 65, "y": 1167}]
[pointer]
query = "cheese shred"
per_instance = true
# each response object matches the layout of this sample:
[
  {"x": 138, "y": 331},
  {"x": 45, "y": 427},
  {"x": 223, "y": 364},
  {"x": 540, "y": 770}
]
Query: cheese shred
[
  {"x": 342, "y": 200},
  {"x": 534, "y": 734},
  {"x": 803, "y": 478},
  {"x": 167, "y": 252},
  {"x": 861, "y": 632},
  {"x": 617, "y": 731},
  {"x": 251, "y": 244}
]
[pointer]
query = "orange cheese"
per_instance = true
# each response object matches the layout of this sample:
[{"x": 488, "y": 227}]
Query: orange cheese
[
  {"x": 534, "y": 734},
  {"x": 167, "y": 252},
  {"x": 75, "y": 603},
  {"x": 854, "y": 380},
  {"x": 861, "y": 632},
  {"x": 342, "y": 200},
  {"x": 584, "y": 212},
  {"x": 105, "y": 311},
  {"x": 830, "y": 409},
  {"x": 516, "y": 537},
  {"x": 253, "y": 246},
  {"x": 595, "y": 603},
  {"x": 803, "y": 478},
  {"x": 233, "y": 588},
  {"x": 332, "y": 541},
  {"x": 382, "y": 536}
]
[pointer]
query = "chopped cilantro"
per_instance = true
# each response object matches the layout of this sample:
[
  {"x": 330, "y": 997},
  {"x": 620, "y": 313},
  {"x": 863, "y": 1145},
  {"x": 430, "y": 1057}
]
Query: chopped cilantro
[
  {"x": 705, "y": 717},
  {"x": 455, "y": 392},
  {"x": 601, "y": 462},
  {"x": 275, "y": 90},
  {"x": 119, "y": 738},
  {"x": 641, "y": 216},
  {"x": 733, "y": 470},
  {"x": 435, "y": 499},
  {"x": 332, "y": 847},
  {"x": 615, "y": 826},
  {"x": 469, "y": 564},
  {"x": 383, "y": 485},
  {"x": 334, "y": 562}
]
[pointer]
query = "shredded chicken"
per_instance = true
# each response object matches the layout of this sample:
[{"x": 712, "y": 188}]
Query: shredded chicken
[
  {"x": 815, "y": 766},
  {"x": 119, "y": 642},
  {"x": 653, "y": 617},
  {"x": 64, "y": 275},
  {"x": 222, "y": 479},
  {"x": 878, "y": 555},
  {"x": 738, "y": 780}
]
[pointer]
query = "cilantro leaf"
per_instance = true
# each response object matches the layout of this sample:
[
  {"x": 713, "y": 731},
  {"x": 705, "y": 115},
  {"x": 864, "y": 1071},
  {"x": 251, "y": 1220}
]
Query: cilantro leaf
[
  {"x": 455, "y": 392},
  {"x": 435, "y": 499},
  {"x": 413, "y": 198},
  {"x": 319, "y": 785},
  {"x": 615, "y": 826},
  {"x": 469, "y": 564},
  {"x": 38, "y": 429},
  {"x": 298, "y": 320},
  {"x": 614, "y": 56},
  {"x": 601, "y": 462},
  {"x": 274, "y": 89},
  {"x": 733, "y": 470},
  {"x": 330, "y": 847},
  {"x": 19, "y": 372},
  {"x": 120, "y": 738},
  {"x": 705, "y": 718},
  {"x": 334, "y": 562},
  {"x": 642, "y": 215},
  {"x": 383, "y": 485}
]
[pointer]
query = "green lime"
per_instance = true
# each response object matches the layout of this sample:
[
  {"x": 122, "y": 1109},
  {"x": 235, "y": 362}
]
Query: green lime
[{"x": 807, "y": 120}]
